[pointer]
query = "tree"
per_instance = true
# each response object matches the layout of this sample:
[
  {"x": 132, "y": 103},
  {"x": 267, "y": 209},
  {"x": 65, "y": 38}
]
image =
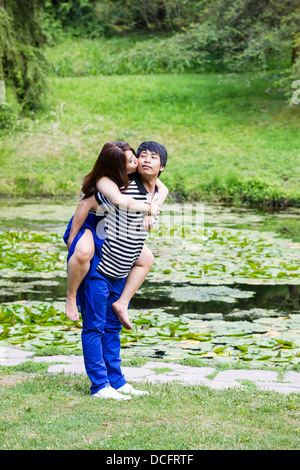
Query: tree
[
  {"x": 255, "y": 28},
  {"x": 22, "y": 63}
]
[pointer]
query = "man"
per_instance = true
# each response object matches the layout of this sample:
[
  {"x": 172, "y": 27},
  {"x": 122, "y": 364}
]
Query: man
[{"x": 101, "y": 326}]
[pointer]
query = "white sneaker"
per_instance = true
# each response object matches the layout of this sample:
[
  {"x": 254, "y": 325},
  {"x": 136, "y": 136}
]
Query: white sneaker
[
  {"x": 109, "y": 392},
  {"x": 127, "y": 388}
]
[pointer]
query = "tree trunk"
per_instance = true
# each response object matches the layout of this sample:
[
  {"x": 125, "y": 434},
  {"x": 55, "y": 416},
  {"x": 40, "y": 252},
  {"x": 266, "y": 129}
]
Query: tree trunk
[{"x": 295, "y": 53}]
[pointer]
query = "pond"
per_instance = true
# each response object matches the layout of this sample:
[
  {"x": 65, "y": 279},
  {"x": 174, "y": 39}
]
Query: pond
[{"x": 224, "y": 286}]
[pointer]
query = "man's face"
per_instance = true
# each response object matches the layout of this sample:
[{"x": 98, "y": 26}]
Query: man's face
[{"x": 149, "y": 163}]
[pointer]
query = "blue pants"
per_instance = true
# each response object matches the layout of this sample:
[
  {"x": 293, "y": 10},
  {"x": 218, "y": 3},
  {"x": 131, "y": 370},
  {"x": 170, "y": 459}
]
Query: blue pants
[{"x": 101, "y": 334}]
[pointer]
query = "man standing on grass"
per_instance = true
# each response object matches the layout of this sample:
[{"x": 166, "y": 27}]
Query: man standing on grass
[{"x": 101, "y": 327}]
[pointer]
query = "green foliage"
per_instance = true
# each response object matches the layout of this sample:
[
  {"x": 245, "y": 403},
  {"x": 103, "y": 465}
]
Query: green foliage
[
  {"x": 22, "y": 62},
  {"x": 246, "y": 32},
  {"x": 188, "y": 52},
  {"x": 41, "y": 326},
  {"x": 95, "y": 18},
  {"x": 77, "y": 17},
  {"x": 286, "y": 81},
  {"x": 207, "y": 35},
  {"x": 160, "y": 15},
  {"x": 198, "y": 49},
  {"x": 22, "y": 251},
  {"x": 7, "y": 116},
  {"x": 231, "y": 36}
]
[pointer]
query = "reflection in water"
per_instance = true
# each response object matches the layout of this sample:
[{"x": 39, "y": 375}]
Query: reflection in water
[{"x": 281, "y": 298}]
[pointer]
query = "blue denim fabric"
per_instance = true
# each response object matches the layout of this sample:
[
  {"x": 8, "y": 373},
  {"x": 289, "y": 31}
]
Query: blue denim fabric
[{"x": 101, "y": 334}]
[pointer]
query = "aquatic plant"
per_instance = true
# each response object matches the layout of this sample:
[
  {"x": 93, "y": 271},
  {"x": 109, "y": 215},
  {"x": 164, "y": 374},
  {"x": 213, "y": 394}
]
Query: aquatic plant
[{"x": 193, "y": 266}]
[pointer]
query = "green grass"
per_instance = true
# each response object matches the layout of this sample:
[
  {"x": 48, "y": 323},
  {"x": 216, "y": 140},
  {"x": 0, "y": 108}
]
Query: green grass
[
  {"x": 228, "y": 139},
  {"x": 40, "y": 411},
  {"x": 71, "y": 57},
  {"x": 146, "y": 53}
]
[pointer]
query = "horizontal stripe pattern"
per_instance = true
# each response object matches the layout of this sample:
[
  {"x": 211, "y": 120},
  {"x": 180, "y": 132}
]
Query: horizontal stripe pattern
[{"x": 124, "y": 234}]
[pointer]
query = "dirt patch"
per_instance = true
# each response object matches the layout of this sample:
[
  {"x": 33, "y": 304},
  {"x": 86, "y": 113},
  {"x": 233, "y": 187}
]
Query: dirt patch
[{"x": 12, "y": 380}]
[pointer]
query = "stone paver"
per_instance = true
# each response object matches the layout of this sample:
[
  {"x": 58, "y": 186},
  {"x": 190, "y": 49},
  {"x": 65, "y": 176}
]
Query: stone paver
[{"x": 170, "y": 372}]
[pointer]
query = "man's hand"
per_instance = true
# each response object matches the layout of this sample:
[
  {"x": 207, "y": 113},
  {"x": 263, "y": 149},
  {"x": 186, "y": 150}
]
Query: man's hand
[
  {"x": 69, "y": 244},
  {"x": 148, "y": 222},
  {"x": 155, "y": 207}
]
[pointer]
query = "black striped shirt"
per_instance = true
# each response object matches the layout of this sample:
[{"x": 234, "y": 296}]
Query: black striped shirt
[{"x": 124, "y": 232}]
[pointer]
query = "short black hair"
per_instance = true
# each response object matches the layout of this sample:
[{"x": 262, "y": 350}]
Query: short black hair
[{"x": 156, "y": 148}]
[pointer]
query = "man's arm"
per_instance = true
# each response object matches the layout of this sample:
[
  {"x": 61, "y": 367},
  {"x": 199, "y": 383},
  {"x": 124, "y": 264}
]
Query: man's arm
[
  {"x": 162, "y": 191},
  {"x": 81, "y": 213}
]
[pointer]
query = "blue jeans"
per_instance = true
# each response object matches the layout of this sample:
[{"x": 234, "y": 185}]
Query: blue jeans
[{"x": 101, "y": 334}]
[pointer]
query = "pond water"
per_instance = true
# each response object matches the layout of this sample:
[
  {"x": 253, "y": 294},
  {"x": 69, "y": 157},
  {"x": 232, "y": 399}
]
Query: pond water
[{"x": 224, "y": 286}]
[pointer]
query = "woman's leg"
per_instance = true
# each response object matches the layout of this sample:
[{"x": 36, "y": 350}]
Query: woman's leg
[
  {"x": 134, "y": 280},
  {"x": 78, "y": 267}
]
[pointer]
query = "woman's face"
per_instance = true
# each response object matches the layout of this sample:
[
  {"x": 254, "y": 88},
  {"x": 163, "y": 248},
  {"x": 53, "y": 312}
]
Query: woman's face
[{"x": 131, "y": 162}]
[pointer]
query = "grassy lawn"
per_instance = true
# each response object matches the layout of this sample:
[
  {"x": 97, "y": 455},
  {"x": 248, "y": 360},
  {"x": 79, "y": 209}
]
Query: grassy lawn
[
  {"x": 227, "y": 138},
  {"x": 40, "y": 411}
]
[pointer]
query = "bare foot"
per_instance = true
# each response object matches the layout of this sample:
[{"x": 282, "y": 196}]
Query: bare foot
[
  {"x": 71, "y": 308},
  {"x": 121, "y": 310}
]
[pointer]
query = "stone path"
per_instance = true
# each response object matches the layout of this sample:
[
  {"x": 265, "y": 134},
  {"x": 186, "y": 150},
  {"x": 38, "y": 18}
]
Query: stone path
[{"x": 164, "y": 372}]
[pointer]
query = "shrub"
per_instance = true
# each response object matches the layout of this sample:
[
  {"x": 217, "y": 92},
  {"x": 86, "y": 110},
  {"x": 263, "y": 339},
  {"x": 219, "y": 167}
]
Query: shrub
[{"x": 7, "y": 116}]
